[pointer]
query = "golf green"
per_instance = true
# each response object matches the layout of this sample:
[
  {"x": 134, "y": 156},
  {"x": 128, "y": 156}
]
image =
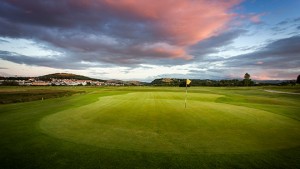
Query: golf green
[{"x": 159, "y": 122}]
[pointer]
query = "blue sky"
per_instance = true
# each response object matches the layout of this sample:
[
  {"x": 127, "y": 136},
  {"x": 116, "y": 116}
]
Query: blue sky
[{"x": 144, "y": 40}]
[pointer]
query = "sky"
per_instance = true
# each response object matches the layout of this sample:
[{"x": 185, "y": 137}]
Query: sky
[{"x": 147, "y": 39}]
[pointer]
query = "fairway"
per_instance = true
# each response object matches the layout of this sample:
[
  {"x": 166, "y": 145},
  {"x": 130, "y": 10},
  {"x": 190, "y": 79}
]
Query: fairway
[
  {"x": 149, "y": 127},
  {"x": 159, "y": 122}
]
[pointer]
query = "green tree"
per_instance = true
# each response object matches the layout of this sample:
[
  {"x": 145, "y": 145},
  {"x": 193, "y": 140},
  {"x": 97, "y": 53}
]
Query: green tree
[{"x": 247, "y": 79}]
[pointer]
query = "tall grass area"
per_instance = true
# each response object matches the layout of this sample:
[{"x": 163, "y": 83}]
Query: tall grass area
[
  {"x": 148, "y": 127},
  {"x": 25, "y": 94}
]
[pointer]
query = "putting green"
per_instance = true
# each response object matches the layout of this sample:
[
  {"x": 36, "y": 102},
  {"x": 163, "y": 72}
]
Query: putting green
[{"x": 158, "y": 122}]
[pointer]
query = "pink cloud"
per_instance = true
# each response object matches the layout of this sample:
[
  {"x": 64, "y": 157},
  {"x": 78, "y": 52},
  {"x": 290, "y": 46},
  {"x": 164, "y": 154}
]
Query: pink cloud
[
  {"x": 262, "y": 76},
  {"x": 176, "y": 23},
  {"x": 256, "y": 18},
  {"x": 163, "y": 50},
  {"x": 271, "y": 74},
  {"x": 181, "y": 22}
]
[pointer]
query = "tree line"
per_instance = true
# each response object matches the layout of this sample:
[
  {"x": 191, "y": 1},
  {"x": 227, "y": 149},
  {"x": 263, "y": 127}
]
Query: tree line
[{"x": 247, "y": 81}]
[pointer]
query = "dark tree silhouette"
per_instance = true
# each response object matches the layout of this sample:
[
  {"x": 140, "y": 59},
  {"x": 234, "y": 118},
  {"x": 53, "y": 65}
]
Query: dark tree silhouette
[
  {"x": 247, "y": 79},
  {"x": 247, "y": 76},
  {"x": 298, "y": 79}
]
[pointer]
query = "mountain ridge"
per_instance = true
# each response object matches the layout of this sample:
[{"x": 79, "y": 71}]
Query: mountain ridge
[{"x": 66, "y": 76}]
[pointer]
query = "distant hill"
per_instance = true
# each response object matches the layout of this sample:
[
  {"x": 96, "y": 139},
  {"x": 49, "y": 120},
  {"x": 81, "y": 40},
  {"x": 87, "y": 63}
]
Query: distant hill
[
  {"x": 127, "y": 83},
  {"x": 66, "y": 76},
  {"x": 225, "y": 82},
  {"x": 167, "y": 82},
  {"x": 182, "y": 82},
  {"x": 135, "y": 83}
]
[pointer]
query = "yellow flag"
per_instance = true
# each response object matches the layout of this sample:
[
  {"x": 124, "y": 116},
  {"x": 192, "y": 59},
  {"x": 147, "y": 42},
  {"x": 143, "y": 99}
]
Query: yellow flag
[{"x": 188, "y": 81}]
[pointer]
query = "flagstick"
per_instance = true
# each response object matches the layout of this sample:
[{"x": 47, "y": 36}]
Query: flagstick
[{"x": 185, "y": 94}]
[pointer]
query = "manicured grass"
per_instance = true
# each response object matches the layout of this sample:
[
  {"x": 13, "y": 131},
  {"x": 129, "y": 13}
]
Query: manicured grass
[{"x": 143, "y": 127}]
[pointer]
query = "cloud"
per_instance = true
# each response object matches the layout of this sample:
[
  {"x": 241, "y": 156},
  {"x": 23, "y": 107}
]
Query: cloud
[
  {"x": 276, "y": 74},
  {"x": 283, "y": 53},
  {"x": 256, "y": 18},
  {"x": 122, "y": 32},
  {"x": 3, "y": 41},
  {"x": 52, "y": 62},
  {"x": 107, "y": 33},
  {"x": 211, "y": 45},
  {"x": 252, "y": 18},
  {"x": 279, "y": 59},
  {"x": 182, "y": 22},
  {"x": 287, "y": 25}
]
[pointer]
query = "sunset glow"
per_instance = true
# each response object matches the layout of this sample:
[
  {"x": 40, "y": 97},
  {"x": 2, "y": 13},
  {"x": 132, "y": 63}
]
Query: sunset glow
[{"x": 226, "y": 38}]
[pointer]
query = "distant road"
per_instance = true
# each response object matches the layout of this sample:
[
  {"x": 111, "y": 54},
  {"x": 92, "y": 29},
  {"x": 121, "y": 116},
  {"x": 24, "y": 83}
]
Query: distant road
[{"x": 275, "y": 91}]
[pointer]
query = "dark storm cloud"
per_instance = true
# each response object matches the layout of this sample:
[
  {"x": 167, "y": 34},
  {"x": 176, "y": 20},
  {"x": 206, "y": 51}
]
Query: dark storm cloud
[
  {"x": 92, "y": 33},
  {"x": 283, "y": 53},
  {"x": 47, "y": 13},
  {"x": 117, "y": 32}
]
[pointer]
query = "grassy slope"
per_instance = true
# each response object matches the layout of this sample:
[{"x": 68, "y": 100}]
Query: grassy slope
[{"x": 23, "y": 145}]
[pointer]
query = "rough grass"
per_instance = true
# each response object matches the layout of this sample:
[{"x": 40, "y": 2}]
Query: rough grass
[
  {"x": 149, "y": 128},
  {"x": 26, "y": 94}
]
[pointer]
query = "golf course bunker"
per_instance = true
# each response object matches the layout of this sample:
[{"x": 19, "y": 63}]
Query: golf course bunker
[{"x": 159, "y": 122}]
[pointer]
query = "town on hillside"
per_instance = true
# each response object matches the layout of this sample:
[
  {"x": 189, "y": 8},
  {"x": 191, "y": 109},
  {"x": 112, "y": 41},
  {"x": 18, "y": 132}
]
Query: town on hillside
[
  {"x": 58, "y": 79},
  {"x": 58, "y": 82}
]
